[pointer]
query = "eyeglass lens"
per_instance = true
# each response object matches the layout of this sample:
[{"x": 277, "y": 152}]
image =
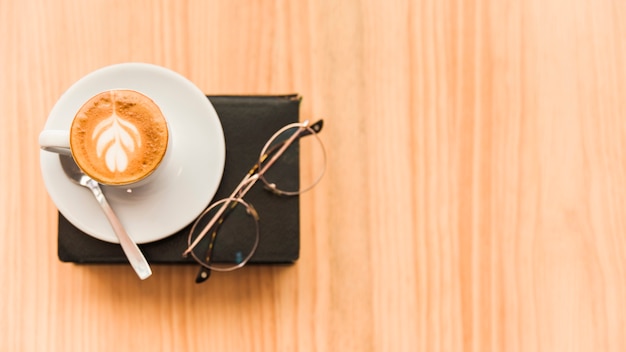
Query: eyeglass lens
[
  {"x": 223, "y": 253},
  {"x": 307, "y": 146}
]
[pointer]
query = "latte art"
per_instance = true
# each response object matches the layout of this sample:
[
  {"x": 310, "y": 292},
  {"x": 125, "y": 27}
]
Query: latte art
[
  {"x": 119, "y": 137},
  {"x": 115, "y": 139}
]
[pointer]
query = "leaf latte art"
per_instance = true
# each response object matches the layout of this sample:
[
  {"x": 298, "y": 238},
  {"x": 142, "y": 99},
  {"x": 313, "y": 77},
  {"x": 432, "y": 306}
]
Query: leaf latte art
[
  {"x": 119, "y": 137},
  {"x": 116, "y": 137}
]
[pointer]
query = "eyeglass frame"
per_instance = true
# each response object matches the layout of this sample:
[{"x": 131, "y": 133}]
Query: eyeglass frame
[{"x": 254, "y": 174}]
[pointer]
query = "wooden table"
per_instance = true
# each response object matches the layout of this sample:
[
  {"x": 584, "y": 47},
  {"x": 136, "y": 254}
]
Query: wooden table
[{"x": 475, "y": 198}]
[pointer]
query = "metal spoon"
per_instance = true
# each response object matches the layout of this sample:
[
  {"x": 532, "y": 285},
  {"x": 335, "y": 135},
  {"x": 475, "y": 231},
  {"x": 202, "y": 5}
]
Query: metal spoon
[{"x": 133, "y": 253}]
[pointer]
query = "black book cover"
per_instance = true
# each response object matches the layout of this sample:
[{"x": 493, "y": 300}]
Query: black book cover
[{"x": 248, "y": 122}]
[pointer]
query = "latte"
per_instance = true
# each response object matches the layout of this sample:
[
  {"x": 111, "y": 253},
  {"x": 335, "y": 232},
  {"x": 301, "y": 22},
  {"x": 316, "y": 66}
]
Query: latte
[{"x": 119, "y": 137}]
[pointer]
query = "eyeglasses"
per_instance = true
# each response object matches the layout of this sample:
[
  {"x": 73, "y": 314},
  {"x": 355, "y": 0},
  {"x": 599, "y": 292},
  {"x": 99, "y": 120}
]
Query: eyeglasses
[{"x": 241, "y": 233}]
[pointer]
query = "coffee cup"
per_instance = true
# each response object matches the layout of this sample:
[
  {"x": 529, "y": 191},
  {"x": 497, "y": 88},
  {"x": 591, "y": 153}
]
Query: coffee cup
[{"x": 118, "y": 137}]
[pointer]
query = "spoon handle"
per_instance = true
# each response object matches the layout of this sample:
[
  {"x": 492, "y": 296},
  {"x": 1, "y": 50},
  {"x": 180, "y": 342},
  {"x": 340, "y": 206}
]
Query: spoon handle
[{"x": 133, "y": 253}]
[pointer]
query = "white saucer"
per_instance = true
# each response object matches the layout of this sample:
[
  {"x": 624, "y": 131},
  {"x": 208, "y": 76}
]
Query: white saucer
[{"x": 180, "y": 192}]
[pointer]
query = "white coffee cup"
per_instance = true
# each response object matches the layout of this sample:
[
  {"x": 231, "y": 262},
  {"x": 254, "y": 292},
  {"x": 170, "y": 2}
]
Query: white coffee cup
[{"x": 118, "y": 137}]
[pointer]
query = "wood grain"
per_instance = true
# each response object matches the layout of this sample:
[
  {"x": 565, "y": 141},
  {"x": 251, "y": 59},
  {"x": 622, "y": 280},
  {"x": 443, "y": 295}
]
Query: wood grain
[{"x": 474, "y": 199}]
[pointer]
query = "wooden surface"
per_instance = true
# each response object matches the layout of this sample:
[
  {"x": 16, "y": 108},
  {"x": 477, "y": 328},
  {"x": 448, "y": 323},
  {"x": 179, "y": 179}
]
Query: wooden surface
[{"x": 475, "y": 198}]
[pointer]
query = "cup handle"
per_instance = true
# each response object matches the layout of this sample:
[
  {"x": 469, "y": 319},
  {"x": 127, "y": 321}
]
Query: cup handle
[{"x": 56, "y": 141}]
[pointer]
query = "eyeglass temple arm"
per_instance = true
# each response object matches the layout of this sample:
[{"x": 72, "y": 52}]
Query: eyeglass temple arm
[{"x": 205, "y": 273}]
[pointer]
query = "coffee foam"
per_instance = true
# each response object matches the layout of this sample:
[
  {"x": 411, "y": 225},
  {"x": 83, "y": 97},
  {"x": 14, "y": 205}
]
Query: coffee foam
[{"x": 119, "y": 137}]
